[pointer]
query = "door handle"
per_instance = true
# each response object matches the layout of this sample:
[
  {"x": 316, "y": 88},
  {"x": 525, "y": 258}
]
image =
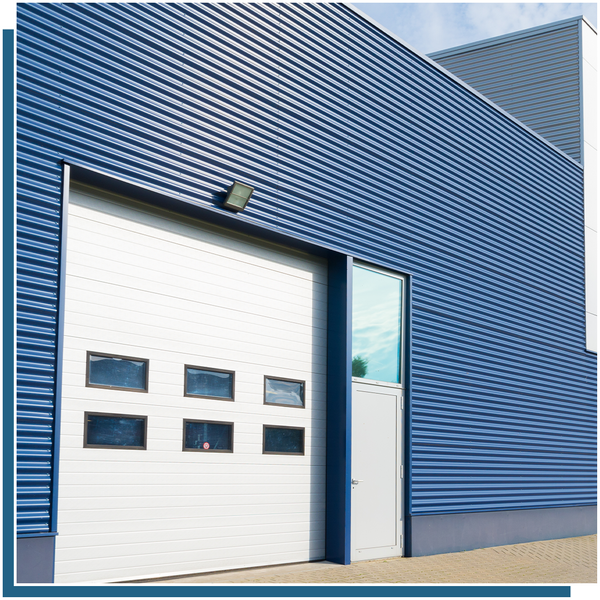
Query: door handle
[{"x": 356, "y": 481}]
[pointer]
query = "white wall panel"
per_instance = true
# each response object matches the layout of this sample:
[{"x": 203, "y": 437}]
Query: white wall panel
[
  {"x": 147, "y": 283},
  {"x": 591, "y": 331},
  {"x": 589, "y": 85},
  {"x": 590, "y": 187},
  {"x": 589, "y": 43},
  {"x": 590, "y": 104},
  {"x": 591, "y": 294}
]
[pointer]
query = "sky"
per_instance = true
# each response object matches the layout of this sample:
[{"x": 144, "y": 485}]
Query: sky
[{"x": 429, "y": 27}]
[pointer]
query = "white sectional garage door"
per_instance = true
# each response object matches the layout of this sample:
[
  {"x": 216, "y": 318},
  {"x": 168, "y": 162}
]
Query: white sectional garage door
[{"x": 150, "y": 284}]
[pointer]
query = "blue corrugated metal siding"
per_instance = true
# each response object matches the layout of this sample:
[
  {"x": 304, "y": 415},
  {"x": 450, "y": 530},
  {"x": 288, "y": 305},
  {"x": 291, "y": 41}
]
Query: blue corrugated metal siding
[
  {"x": 534, "y": 78},
  {"x": 38, "y": 200},
  {"x": 353, "y": 142}
]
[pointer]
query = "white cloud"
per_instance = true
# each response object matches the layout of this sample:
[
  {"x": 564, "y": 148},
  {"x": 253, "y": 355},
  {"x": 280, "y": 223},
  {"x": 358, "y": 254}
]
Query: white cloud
[
  {"x": 488, "y": 20},
  {"x": 435, "y": 26}
]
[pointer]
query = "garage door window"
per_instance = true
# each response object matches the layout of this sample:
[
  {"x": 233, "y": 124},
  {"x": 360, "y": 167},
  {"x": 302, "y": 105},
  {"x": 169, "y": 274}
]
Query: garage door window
[
  {"x": 284, "y": 392},
  {"x": 283, "y": 440},
  {"x": 103, "y": 430},
  {"x": 117, "y": 372},
  {"x": 207, "y": 436},
  {"x": 209, "y": 383}
]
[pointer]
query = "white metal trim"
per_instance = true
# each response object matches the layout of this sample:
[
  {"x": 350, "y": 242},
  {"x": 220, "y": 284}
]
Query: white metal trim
[{"x": 508, "y": 37}]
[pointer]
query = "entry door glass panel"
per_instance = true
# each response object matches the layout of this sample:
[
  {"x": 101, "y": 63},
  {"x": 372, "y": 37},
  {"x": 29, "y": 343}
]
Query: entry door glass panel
[{"x": 376, "y": 325}]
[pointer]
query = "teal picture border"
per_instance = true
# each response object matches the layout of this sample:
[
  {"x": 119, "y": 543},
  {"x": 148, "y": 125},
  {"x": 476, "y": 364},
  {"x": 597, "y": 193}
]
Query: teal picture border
[{"x": 8, "y": 305}]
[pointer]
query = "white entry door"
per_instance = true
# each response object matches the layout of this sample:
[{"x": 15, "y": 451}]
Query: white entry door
[{"x": 376, "y": 471}]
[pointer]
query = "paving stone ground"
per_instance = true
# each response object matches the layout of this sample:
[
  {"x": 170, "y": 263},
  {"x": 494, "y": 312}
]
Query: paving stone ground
[{"x": 570, "y": 560}]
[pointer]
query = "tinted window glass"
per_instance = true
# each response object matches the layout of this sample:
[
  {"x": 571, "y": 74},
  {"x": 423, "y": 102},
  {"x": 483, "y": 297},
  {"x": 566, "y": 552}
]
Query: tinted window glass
[
  {"x": 203, "y": 382},
  {"x": 278, "y": 391},
  {"x": 117, "y": 372},
  {"x": 115, "y": 430},
  {"x": 208, "y": 436},
  {"x": 376, "y": 325},
  {"x": 284, "y": 440}
]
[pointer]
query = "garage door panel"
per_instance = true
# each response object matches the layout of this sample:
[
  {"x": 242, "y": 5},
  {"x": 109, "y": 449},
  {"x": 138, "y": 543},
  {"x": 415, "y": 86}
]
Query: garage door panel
[
  {"x": 126, "y": 321},
  {"x": 145, "y": 518},
  {"x": 239, "y": 299},
  {"x": 196, "y": 527},
  {"x": 168, "y": 232},
  {"x": 193, "y": 537},
  {"x": 247, "y": 398},
  {"x": 187, "y": 507},
  {"x": 171, "y": 363},
  {"x": 161, "y": 264},
  {"x": 170, "y": 372},
  {"x": 248, "y": 425},
  {"x": 270, "y": 493},
  {"x": 107, "y": 268},
  {"x": 202, "y": 336},
  {"x": 251, "y": 482},
  {"x": 244, "y": 413},
  {"x": 99, "y": 465},
  {"x": 206, "y": 288},
  {"x": 131, "y": 298},
  {"x": 131, "y": 293},
  {"x": 147, "y": 283},
  {"x": 180, "y": 563},
  {"x": 163, "y": 544},
  {"x": 118, "y": 343},
  {"x": 244, "y": 410},
  {"x": 82, "y": 304},
  {"x": 78, "y": 522},
  {"x": 77, "y": 330},
  {"x": 252, "y": 447}
]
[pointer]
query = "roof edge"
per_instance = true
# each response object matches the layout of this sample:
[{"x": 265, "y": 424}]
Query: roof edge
[
  {"x": 456, "y": 79},
  {"x": 510, "y": 37}
]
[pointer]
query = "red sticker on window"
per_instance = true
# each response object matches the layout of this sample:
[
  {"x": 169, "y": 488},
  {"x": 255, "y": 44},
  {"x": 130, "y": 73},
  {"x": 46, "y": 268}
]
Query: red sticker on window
[{"x": 206, "y": 445}]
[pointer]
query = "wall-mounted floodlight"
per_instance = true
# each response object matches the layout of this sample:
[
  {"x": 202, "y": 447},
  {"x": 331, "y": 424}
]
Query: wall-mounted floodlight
[{"x": 238, "y": 196}]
